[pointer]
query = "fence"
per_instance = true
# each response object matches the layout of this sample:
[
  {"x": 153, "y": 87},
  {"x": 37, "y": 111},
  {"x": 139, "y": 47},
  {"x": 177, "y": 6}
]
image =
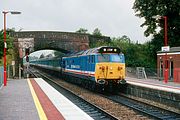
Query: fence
[
  {"x": 142, "y": 73},
  {"x": 9, "y": 71},
  {"x": 153, "y": 73},
  {"x": 1, "y": 75}
]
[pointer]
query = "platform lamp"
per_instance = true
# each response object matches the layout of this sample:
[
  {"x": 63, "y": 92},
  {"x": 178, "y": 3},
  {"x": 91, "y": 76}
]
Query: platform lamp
[
  {"x": 5, "y": 45},
  {"x": 166, "y": 47}
]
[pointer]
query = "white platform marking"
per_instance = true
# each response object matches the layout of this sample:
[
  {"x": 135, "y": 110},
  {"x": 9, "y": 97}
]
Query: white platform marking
[
  {"x": 155, "y": 86},
  {"x": 69, "y": 110}
]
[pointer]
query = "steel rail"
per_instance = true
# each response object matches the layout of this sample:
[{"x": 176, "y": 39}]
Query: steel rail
[
  {"x": 144, "y": 108},
  {"x": 92, "y": 110}
]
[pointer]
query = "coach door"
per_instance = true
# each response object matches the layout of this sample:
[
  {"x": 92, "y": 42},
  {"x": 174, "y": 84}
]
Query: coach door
[
  {"x": 89, "y": 65},
  {"x": 91, "y": 62},
  {"x": 83, "y": 64}
]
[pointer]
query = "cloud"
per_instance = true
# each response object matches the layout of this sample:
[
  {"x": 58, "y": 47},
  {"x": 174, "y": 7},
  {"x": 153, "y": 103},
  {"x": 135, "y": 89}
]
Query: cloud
[{"x": 113, "y": 17}]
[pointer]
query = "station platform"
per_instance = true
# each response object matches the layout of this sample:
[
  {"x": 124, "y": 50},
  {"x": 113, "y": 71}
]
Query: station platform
[
  {"x": 166, "y": 95},
  {"x": 155, "y": 84},
  {"x": 35, "y": 99}
]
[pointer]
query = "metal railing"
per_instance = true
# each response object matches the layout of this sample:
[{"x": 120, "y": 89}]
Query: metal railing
[
  {"x": 141, "y": 72},
  {"x": 153, "y": 73}
]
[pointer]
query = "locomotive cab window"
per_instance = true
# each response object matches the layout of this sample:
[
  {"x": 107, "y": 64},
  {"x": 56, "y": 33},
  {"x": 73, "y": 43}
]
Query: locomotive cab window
[
  {"x": 111, "y": 58},
  {"x": 103, "y": 58},
  {"x": 117, "y": 58}
]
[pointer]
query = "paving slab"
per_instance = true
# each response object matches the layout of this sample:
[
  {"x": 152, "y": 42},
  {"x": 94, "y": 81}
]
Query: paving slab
[{"x": 16, "y": 102}]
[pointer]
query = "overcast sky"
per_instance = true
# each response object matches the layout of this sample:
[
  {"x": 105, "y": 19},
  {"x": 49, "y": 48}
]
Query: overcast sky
[{"x": 113, "y": 17}]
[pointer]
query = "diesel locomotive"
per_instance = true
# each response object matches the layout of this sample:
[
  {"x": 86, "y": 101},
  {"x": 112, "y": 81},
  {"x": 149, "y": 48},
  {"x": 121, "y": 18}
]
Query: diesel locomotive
[{"x": 97, "y": 68}]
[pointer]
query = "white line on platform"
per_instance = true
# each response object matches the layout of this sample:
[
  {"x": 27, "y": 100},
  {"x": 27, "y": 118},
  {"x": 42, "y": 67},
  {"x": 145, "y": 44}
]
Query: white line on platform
[{"x": 69, "y": 110}]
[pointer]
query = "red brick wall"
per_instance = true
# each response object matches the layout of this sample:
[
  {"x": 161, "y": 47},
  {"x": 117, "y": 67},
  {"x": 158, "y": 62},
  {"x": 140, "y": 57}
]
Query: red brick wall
[
  {"x": 177, "y": 75},
  {"x": 176, "y": 64}
]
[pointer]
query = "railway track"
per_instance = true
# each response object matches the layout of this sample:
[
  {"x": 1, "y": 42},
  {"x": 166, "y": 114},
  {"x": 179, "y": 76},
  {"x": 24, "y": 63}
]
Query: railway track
[
  {"x": 92, "y": 110},
  {"x": 142, "y": 108},
  {"x": 146, "y": 109}
]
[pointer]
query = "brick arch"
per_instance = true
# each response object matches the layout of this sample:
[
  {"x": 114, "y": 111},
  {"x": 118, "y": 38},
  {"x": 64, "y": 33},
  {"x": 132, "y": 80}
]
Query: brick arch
[
  {"x": 45, "y": 39},
  {"x": 61, "y": 41}
]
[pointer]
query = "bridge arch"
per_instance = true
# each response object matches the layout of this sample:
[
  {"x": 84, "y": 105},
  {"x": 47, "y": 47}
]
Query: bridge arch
[{"x": 54, "y": 40}]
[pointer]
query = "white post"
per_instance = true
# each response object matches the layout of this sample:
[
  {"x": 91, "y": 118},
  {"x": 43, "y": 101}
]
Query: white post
[
  {"x": 19, "y": 71},
  {"x": 13, "y": 67}
]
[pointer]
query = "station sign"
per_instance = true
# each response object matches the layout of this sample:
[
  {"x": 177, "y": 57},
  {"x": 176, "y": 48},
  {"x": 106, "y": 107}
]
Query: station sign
[{"x": 165, "y": 48}]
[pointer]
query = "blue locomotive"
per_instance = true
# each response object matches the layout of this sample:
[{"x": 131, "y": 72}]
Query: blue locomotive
[{"x": 102, "y": 67}]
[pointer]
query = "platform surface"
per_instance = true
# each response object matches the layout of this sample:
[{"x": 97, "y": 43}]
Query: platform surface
[
  {"x": 35, "y": 99},
  {"x": 155, "y": 84},
  {"x": 16, "y": 102}
]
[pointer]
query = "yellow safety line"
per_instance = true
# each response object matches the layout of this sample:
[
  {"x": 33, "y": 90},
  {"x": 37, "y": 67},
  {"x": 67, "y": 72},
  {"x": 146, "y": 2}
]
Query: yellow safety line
[{"x": 39, "y": 108}]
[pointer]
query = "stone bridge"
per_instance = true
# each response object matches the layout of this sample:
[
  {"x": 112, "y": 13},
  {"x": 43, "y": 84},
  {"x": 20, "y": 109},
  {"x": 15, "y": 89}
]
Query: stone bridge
[{"x": 60, "y": 41}]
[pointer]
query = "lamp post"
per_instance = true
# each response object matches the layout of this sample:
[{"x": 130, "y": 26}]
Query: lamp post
[
  {"x": 165, "y": 45},
  {"x": 5, "y": 44}
]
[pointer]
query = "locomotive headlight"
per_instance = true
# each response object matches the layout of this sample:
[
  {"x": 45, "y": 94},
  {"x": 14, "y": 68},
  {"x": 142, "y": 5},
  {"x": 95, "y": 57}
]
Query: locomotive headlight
[
  {"x": 104, "y": 49},
  {"x": 111, "y": 68},
  {"x": 115, "y": 50}
]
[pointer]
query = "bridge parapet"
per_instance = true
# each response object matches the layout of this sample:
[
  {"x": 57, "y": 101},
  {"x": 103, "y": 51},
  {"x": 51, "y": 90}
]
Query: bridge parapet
[{"x": 55, "y": 40}]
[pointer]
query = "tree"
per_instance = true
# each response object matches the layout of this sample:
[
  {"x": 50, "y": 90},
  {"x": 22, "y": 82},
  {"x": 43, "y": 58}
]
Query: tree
[
  {"x": 169, "y": 8},
  {"x": 135, "y": 54},
  {"x": 149, "y": 8},
  {"x": 97, "y": 32},
  {"x": 82, "y": 30},
  {"x": 1, "y": 43},
  {"x": 10, "y": 46},
  {"x": 122, "y": 42}
]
